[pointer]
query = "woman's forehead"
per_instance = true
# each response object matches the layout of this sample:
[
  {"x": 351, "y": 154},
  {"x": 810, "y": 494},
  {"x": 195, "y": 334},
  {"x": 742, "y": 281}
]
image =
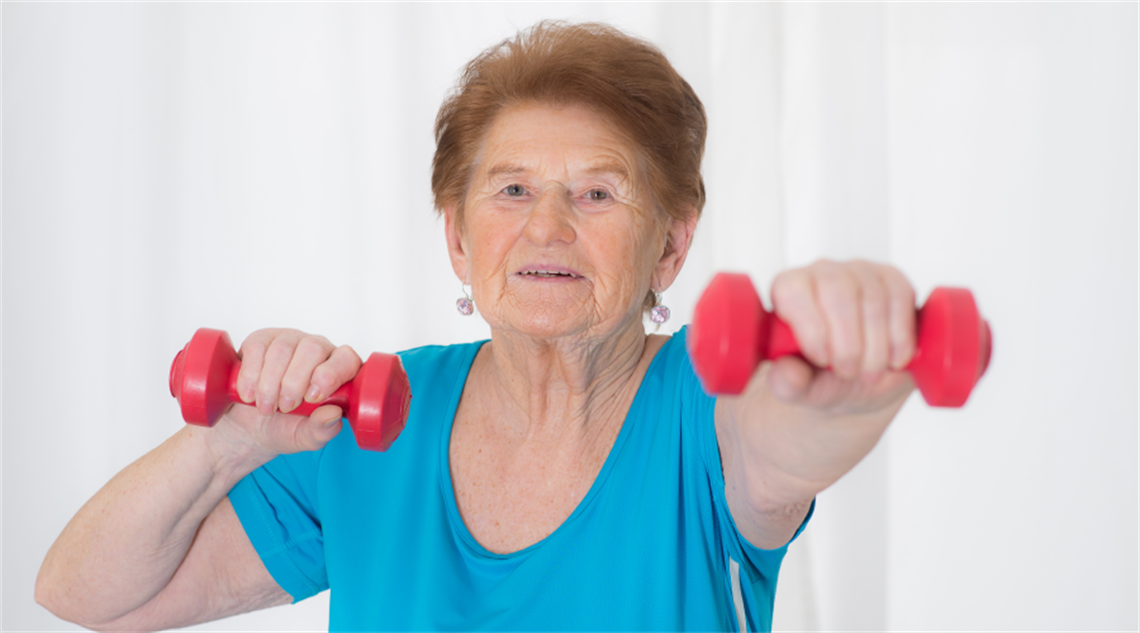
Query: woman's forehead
[{"x": 526, "y": 139}]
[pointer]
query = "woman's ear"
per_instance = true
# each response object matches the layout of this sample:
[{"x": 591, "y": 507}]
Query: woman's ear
[
  {"x": 678, "y": 239},
  {"x": 456, "y": 245}
]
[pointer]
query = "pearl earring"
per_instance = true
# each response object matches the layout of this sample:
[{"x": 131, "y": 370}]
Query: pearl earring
[{"x": 464, "y": 304}]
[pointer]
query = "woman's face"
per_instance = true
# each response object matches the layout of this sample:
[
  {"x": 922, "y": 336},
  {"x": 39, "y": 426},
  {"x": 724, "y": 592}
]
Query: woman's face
[{"x": 559, "y": 236}]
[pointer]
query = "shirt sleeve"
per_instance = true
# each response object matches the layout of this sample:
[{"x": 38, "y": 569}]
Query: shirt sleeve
[
  {"x": 759, "y": 567},
  {"x": 278, "y": 508}
]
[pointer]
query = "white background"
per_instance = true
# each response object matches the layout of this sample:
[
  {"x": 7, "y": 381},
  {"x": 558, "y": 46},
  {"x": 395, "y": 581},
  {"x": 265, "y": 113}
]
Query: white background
[{"x": 173, "y": 166}]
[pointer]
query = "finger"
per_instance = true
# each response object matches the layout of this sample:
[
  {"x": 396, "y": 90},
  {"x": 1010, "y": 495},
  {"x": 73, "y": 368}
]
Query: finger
[
  {"x": 340, "y": 368},
  {"x": 277, "y": 358},
  {"x": 875, "y": 305},
  {"x": 839, "y": 299},
  {"x": 323, "y": 425},
  {"x": 789, "y": 379},
  {"x": 252, "y": 354},
  {"x": 310, "y": 352},
  {"x": 795, "y": 303},
  {"x": 901, "y": 316}
]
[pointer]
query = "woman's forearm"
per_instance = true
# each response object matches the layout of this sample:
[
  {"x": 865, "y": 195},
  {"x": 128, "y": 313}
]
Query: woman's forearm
[
  {"x": 122, "y": 548},
  {"x": 777, "y": 456}
]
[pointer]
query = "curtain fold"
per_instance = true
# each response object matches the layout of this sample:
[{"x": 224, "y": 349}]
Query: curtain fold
[{"x": 174, "y": 166}]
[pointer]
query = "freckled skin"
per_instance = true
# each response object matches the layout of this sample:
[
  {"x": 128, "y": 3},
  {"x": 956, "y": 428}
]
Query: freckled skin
[{"x": 560, "y": 190}]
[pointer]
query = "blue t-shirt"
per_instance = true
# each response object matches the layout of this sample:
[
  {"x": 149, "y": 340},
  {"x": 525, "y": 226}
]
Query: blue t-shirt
[{"x": 648, "y": 548}]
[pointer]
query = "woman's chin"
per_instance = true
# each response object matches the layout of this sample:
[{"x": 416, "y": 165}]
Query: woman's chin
[
  {"x": 549, "y": 324},
  {"x": 552, "y": 312},
  {"x": 546, "y": 320},
  {"x": 554, "y": 323}
]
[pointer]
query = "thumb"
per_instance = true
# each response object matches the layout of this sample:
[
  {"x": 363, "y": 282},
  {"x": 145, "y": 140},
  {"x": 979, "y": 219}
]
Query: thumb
[
  {"x": 789, "y": 379},
  {"x": 324, "y": 424}
]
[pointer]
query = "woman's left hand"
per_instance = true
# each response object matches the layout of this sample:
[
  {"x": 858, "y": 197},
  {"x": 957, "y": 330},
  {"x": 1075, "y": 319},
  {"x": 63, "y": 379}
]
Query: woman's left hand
[
  {"x": 855, "y": 320},
  {"x": 800, "y": 426}
]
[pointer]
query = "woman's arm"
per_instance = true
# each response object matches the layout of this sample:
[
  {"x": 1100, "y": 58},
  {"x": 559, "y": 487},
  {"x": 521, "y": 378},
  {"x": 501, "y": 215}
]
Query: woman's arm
[
  {"x": 160, "y": 546},
  {"x": 797, "y": 429}
]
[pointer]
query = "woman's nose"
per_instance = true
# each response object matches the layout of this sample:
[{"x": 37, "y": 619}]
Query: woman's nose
[{"x": 551, "y": 219}]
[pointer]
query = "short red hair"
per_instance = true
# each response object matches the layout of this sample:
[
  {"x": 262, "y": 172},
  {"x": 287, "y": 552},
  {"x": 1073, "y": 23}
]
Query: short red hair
[{"x": 595, "y": 65}]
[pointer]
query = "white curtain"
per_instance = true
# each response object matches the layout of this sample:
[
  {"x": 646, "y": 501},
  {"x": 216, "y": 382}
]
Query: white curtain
[{"x": 173, "y": 166}]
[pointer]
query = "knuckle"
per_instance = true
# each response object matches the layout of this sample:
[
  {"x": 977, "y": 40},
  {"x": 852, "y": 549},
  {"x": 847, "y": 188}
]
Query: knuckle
[
  {"x": 252, "y": 349},
  {"x": 839, "y": 300},
  {"x": 898, "y": 283},
  {"x": 875, "y": 305},
  {"x": 833, "y": 275},
  {"x": 316, "y": 343},
  {"x": 828, "y": 278},
  {"x": 279, "y": 351},
  {"x": 902, "y": 307},
  {"x": 261, "y": 337},
  {"x": 875, "y": 292},
  {"x": 789, "y": 285},
  {"x": 349, "y": 352},
  {"x": 324, "y": 377}
]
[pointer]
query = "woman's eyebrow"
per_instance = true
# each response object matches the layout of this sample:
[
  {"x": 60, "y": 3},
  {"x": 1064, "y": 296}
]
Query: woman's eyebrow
[
  {"x": 608, "y": 167},
  {"x": 505, "y": 169}
]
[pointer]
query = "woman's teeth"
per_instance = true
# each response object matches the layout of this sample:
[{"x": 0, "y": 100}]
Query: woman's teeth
[{"x": 544, "y": 273}]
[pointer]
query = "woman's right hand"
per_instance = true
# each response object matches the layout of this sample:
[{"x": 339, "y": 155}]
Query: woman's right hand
[{"x": 279, "y": 369}]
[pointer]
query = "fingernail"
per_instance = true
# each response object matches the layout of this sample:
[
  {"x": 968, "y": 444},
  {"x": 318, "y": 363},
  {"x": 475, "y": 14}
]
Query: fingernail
[
  {"x": 265, "y": 408},
  {"x": 286, "y": 404},
  {"x": 328, "y": 423},
  {"x": 248, "y": 395},
  {"x": 314, "y": 394}
]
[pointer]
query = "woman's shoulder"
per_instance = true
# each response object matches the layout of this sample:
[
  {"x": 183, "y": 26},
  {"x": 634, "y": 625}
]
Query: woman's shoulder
[
  {"x": 670, "y": 376},
  {"x": 429, "y": 358},
  {"x": 672, "y": 353},
  {"x": 435, "y": 371}
]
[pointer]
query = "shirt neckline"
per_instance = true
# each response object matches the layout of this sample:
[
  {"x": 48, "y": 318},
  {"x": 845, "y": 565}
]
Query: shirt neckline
[{"x": 448, "y": 489}]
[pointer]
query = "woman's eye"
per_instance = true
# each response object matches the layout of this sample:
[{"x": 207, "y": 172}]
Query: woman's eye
[
  {"x": 514, "y": 190},
  {"x": 597, "y": 194}
]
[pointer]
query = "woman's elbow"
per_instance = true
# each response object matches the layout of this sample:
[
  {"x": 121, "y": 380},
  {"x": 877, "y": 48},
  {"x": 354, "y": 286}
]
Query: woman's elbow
[
  {"x": 48, "y": 593},
  {"x": 53, "y": 594}
]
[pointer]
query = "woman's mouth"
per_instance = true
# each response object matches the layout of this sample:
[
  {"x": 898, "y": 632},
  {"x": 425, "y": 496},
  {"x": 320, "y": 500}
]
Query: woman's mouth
[{"x": 549, "y": 272}]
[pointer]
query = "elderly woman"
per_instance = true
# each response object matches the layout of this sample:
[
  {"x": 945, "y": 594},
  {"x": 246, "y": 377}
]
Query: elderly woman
[{"x": 569, "y": 473}]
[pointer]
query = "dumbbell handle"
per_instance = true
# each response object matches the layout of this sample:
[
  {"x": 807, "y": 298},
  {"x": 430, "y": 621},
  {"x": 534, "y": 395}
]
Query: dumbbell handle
[{"x": 781, "y": 341}]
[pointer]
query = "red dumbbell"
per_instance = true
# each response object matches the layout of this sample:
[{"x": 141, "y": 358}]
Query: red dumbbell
[
  {"x": 204, "y": 374},
  {"x": 732, "y": 333}
]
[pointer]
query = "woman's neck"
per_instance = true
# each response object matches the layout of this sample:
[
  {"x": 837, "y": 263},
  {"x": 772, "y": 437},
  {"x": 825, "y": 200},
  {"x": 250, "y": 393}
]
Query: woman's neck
[{"x": 547, "y": 390}]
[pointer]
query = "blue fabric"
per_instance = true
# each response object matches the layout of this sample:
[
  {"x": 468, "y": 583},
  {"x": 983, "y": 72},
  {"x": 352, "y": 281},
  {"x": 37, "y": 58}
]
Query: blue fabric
[{"x": 648, "y": 548}]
